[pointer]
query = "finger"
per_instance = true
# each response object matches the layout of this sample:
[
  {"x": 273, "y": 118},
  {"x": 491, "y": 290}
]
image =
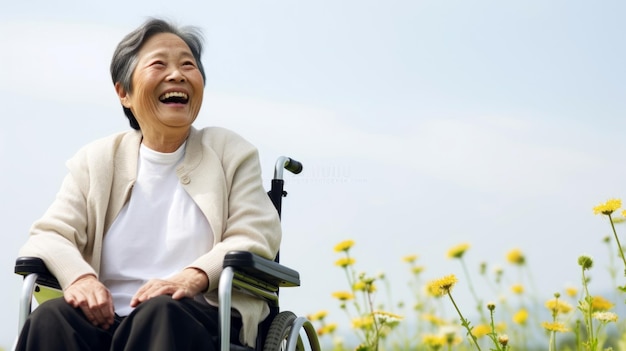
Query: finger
[
  {"x": 111, "y": 309},
  {"x": 149, "y": 287},
  {"x": 95, "y": 308},
  {"x": 96, "y": 305},
  {"x": 152, "y": 289},
  {"x": 179, "y": 294},
  {"x": 89, "y": 314},
  {"x": 139, "y": 295},
  {"x": 104, "y": 309},
  {"x": 142, "y": 294},
  {"x": 71, "y": 299},
  {"x": 78, "y": 301}
]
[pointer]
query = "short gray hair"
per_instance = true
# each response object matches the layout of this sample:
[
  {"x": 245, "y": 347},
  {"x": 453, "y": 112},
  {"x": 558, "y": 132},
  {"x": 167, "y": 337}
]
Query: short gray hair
[{"x": 125, "y": 58}]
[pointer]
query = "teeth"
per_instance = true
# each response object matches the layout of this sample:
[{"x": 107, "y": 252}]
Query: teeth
[{"x": 173, "y": 94}]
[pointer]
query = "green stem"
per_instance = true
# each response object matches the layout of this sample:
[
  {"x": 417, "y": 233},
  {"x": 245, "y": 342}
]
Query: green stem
[
  {"x": 464, "y": 322},
  {"x": 588, "y": 312},
  {"x": 619, "y": 246},
  {"x": 376, "y": 326},
  {"x": 578, "y": 339},
  {"x": 552, "y": 341},
  {"x": 493, "y": 336}
]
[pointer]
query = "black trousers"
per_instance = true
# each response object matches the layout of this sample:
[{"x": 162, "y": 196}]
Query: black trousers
[{"x": 160, "y": 323}]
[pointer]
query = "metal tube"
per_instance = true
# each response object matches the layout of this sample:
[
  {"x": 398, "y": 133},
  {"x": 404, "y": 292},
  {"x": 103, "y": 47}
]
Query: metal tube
[
  {"x": 26, "y": 300},
  {"x": 269, "y": 296},
  {"x": 280, "y": 165},
  {"x": 294, "y": 334},
  {"x": 224, "y": 295}
]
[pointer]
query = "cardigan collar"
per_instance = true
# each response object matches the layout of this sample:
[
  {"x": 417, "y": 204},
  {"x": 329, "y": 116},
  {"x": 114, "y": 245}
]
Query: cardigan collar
[{"x": 126, "y": 162}]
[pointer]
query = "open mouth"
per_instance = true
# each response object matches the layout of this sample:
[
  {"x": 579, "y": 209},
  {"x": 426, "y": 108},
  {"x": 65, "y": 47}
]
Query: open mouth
[{"x": 174, "y": 97}]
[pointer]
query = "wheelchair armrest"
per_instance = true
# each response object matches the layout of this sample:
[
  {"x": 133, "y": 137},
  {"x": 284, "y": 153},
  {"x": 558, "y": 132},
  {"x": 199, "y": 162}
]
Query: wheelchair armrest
[
  {"x": 27, "y": 265},
  {"x": 261, "y": 269}
]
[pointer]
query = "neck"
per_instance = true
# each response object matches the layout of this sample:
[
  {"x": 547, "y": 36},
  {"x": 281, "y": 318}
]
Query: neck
[{"x": 165, "y": 143}]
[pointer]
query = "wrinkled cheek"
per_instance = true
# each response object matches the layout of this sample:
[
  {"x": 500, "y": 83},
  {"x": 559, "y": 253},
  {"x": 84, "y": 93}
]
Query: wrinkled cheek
[
  {"x": 196, "y": 110},
  {"x": 145, "y": 109}
]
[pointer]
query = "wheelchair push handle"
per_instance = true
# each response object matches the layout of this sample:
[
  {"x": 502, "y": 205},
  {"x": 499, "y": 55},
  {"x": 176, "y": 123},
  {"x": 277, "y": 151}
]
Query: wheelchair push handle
[
  {"x": 277, "y": 193},
  {"x": 293, "y": 166},
  {"x": 287, "y": 163}
]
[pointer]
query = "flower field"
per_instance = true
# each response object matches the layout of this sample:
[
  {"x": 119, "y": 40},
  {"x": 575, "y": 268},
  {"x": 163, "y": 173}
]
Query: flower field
[{"x": 575, "y": 319}]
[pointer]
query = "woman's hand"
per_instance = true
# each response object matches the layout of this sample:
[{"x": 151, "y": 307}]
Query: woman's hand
[
  {"x": 188, "y": 283},
  {"x": 93, "y": 298}
]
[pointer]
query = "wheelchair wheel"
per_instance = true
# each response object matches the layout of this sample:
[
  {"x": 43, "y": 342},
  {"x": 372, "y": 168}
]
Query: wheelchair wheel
[{"x": 277, "y": 335}]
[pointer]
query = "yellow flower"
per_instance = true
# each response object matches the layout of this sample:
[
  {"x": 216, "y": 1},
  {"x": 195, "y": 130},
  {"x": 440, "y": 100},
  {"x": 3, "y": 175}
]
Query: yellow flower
[
  {"x": 516, "y": 256},
  {"x": 359, "y": 286},
  {"x": 432, "y": 290},
  {"x": 608, "y": 207},
  {"x": 554, "y": 326},
  {"x": 605, "y": 317},
  {"x": 521, "y": 316},
  {"x": 517, "y": 289},
  {"x": 344, "y": 245},
  {"x": 434, "y": 341},
  {"x": 558, "y": 306},
  {"x": 364, "y": 322},
  {"x": 343, "y": 295},
  {"x": 345, "y": 262},
  {"x": 417, "y": 269},
  {"x": 599, "y": 303},
  {"x": 327, "y": 329},
  {"x": 318, "y": 316},
  {"x": 458, "y": 251},
  {"x": 433, "y": 319},
  {"x": 442, "y": 286},
  {"x": 409, "y": 258},
  {"x": 571, "y": 291},
  {"x": 481, "y": 330},
  {"x": 364, "y": 286}
]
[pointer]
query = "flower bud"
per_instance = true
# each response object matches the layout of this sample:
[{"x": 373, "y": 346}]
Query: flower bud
[
  {"x": 503, "y": 339},
  {"x": 586, "y": 262}
]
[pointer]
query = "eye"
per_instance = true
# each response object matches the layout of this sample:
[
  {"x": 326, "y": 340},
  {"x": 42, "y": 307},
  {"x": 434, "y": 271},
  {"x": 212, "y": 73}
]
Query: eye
[
  {"x": 157, "y": 63},
  {"x": 189, "y": 63}
]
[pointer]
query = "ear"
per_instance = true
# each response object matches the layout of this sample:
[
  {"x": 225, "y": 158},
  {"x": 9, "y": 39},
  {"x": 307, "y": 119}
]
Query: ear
[{"x": 122, "y": 94}]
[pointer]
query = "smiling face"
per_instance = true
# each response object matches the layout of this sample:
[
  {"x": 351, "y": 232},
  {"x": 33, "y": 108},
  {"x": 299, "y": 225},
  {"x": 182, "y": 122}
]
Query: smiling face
[{"x": 167, "y": 88}]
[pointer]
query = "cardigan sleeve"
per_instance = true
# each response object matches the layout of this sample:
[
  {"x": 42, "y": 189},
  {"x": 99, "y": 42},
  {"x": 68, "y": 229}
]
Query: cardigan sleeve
[
  {"x": 68, "y": 236},
  {"x": 60, "y": 236},
  {"x": 251, "y": 222}
]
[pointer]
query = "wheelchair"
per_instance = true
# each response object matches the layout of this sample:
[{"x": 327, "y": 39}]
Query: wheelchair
[{"x": 242, "y": 271}]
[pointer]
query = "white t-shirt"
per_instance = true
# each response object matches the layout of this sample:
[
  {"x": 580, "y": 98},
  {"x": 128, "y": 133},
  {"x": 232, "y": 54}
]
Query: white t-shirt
[{"x": 159, "y": 231}]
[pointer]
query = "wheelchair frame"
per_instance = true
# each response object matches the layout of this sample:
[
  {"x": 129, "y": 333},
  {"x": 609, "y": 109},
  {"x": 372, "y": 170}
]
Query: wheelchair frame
[{"x": 243, "y": 271}]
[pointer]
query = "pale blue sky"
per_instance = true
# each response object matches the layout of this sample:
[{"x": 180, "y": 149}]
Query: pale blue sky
[{"x": 421, "y": 124}]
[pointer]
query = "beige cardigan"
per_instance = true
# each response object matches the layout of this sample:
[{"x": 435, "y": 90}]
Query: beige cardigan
[{"x": 220, "y": 171}]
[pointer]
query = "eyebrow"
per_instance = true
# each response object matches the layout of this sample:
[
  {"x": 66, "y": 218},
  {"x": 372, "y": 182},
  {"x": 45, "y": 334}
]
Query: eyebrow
[{"x": 164, "y": 52}]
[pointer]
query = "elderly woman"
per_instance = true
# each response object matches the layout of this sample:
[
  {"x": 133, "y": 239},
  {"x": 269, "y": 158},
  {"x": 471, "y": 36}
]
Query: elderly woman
[{"x": 138, "y": 231}]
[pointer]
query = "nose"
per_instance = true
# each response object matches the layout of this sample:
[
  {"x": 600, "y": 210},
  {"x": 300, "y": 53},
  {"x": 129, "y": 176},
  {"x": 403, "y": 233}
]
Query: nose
[{"x": 175, "y": 75}]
